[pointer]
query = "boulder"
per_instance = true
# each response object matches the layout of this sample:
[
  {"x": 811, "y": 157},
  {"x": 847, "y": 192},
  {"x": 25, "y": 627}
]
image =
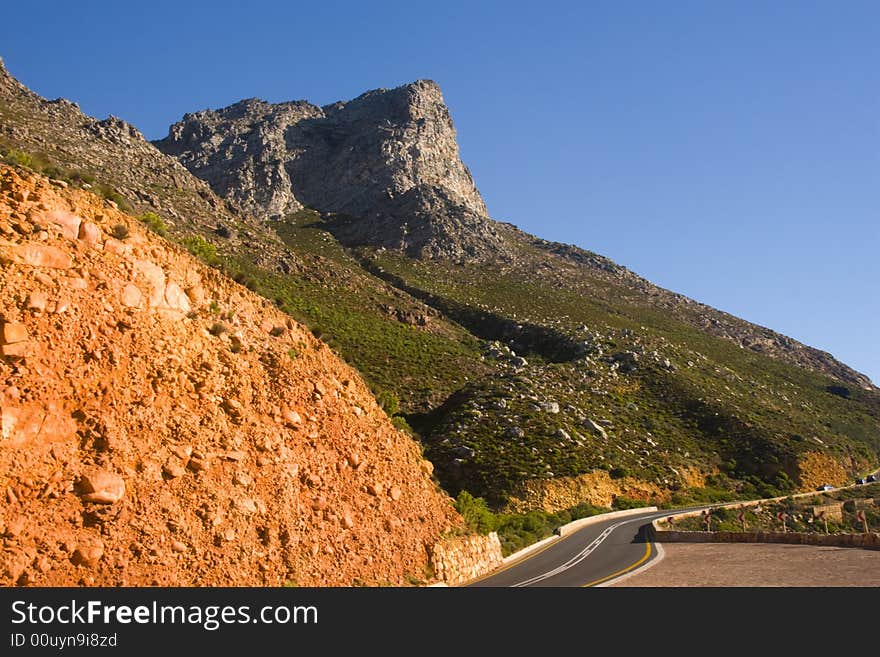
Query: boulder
[
  {"x": 102, "y": 487},
  {"x": 36, "y": 301},
  {"x": 88, "y": 552},
  {"x": 35, "y": 255},
  {"x": 89, "y": 233},
  {"x": 68, "y": 222},
  {"x": 10, "y": 333},
  {"x": 131, "y": 296},
  {"x": 176, "y": 298},
  {"x": 595, "y": 427}
]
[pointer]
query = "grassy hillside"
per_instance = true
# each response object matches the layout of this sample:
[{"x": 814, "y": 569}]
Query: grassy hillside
[
  {"x": 639, "y": 392},
  {"x": 549, "y": 363}
]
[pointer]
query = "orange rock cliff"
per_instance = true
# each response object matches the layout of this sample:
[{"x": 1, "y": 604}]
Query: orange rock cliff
[{"x": 162, "y": 425}]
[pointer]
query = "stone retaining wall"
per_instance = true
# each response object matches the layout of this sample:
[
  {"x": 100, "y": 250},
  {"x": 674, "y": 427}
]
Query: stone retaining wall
[
  {"x": 838, "y": 540},
  {"x": 463, "y": 558}
]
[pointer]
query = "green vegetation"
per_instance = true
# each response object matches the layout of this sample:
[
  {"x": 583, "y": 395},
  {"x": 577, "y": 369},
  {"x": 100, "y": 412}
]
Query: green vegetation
[
  {"x": 202, "y": 249},
  {"x": 348, "y": 309},
  {"x": 43, "y": 164},
  {"x": 799, "y": 512},
  {"x": 517, "y": 530},
  {"x": 716, "y": 405},
  {"x": 108, "y": 193},
  {"x": 155, "y": 223},
  {"x": 719, "y": 407},
  {"x": 419, "y": 331},
  {"x": 621, "y": 502}
]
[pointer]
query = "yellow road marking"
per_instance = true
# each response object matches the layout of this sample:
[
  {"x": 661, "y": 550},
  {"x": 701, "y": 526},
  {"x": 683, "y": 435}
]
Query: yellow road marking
[
  {"x": 625, "y": 570},
  {"x": 518, "y": 561}
]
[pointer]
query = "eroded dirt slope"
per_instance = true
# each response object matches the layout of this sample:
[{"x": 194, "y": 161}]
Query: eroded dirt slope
[{"x": 162, "y": 425}]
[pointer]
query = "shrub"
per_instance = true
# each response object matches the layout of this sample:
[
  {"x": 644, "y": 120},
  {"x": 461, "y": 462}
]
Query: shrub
[
  {"x": 617, "y": 473},
  {"x": 154, "y": 222},
  {"x": 389, "y": 402},
  {"x": 217, "y": 328},
  {"x": 621, "y": 502},
  {"x": 202, "y": 249},
  {"x": 475, "y": 513},
  {"x": 120, "y": 231},
  {"x": 15, "y": 156},
  {"x": 400, "y": 422},
  {"x": 293, "y": 353}
]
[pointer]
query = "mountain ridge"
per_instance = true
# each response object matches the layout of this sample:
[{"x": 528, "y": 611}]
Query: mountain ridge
[
  {"x": 386, "y": 163},
  {"x": 531, "y": 370},
  {"x": 442, "y": 225}
]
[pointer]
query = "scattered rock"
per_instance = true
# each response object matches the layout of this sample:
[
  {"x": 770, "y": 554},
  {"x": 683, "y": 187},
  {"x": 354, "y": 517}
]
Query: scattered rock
[
  {"x": 36, "y": 301},
  {"x": 291, "y": 417},
  {"x": 89, "y": 233},
  {"x": 67, "y": 221},
  {"x": 88, "y": 552},
  {"x": 11, "y": 333},
  {"x": 518, "y": 362},
  {"x": 131, "y": 296},
  {"x": 175, "y": 298},
  {"x": 627, "y": 361},
  {"x": 196, "y": 294},
  {"x": 197, "y": 465},
  {"x": 15, "y": 527},
  {"x": 173, "y": 469},
  {"x": 347, "y": 520},
  {"x": 595, "y": 427},
  {"x": 35, "y": 255},
  {"x": 102, "y": 487}
]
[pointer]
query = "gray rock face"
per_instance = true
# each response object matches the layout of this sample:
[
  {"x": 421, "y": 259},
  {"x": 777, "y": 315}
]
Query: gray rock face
[{"x": 385, "y": 164}]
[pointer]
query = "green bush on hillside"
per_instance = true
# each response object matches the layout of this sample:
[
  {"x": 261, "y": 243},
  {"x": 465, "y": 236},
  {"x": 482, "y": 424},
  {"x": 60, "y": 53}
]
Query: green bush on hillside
[
  {"x": 154, "y": 222},
  {"x": 202, "y": 249}
]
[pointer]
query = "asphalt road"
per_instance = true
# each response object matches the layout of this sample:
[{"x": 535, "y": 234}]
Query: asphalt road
[
  {"x": 593, "y": 555},
  {"x": 590, "y": 556}
]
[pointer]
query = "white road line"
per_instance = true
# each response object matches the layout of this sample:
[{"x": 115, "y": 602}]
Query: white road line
[{"x": 583, "y": 554}]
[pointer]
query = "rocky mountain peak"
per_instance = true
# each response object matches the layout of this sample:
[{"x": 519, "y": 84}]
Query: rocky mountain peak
[{"x": 386, "y": 165}]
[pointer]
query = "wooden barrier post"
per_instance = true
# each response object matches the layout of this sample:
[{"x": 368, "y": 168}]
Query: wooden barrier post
[
  {"x": 783, "y": 516},
  {"x": 824, "y": 517},
  {"x": 861, "y": 516}
]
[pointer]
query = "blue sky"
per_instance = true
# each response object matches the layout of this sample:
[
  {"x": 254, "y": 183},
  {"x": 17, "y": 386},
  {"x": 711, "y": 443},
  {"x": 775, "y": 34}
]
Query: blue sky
[{"x": 728, "y": 151}]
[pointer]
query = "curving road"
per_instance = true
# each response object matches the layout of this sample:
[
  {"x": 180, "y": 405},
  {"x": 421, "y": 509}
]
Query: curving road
[
  {"x": 594, "y": 555},
  {"x": 590, "y": 556}
]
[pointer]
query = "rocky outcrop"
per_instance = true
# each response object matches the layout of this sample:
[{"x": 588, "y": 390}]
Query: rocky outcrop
[
  {"x": 459, "y": 559},
  {"x": 596, "y": 488},
  {"x": 816, "y": 469},
  {"x": 162, "y": 425},
  {"x": 386, "y": 164}
]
